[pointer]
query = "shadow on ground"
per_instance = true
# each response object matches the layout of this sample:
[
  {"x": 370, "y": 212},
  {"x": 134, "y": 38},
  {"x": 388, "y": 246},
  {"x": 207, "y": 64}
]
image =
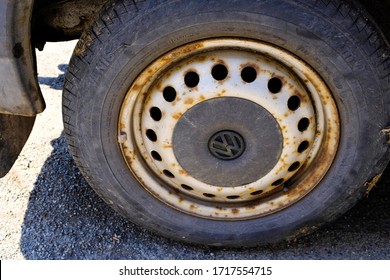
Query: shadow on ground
[
  {"x": 65, "y": 219},
  {"x": 55, "y": 82}
]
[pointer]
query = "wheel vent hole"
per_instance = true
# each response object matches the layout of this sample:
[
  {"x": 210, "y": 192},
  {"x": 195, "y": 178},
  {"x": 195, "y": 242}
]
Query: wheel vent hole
[
  {"x": 209, "y": 195},
  {"x": 303, "y": 124},
  {"x": 155, "y": 113},
  {"x": 151, "y": 135},
  {"x": 275, "y": 85},
  {"x": 294, "y": 166},
  {"x": 233, "y": 197},
  {"x": 169, "y": 94},
  {"x": 278, "y": 182},
  {"x": 303, "y": 146},
  {"x": 168, "y": 174},
  {"x": 257, "y": 192},
  {"x": 187, "y": 188},
  {"x": 249, "y": 74},
  {"x": 219, "y": 72},
  {"x": 294, "y": 102},
  {"x": 191, "y": 79},
  {"x": 156, "y": 156}
]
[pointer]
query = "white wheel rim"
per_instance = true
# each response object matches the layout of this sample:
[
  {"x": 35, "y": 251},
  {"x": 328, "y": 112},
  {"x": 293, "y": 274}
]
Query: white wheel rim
[{"x": 302, "y": 106}]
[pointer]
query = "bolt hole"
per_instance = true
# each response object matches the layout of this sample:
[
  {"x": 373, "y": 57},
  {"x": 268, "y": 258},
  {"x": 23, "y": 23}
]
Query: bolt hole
[
  {"x": 294, "y": 102},
  {"x": 155, "y": 113},
  {"x": 169, "y": 94},
  {"x": 151, "y": 135},
  {"x": 233, "y": 197},
  {"x": 294, "y": 166},
  {"x": 191, "y": 79},
  {"x": 275, "y": 85},
  {"x": 303, "y": 146},
  {"x": 187, "y": 188},
  {"x": 209, "y": 195},
  {"x": 249, "y": 74},
  {"x": 168, "y": 174},
  {"x": 278, "y": 182},
  {"x": 219, "y": 72},
  {"x": 303, "y": 124},
  {"x": 257, "y": 192},
  {"x": 156, "y": 156}
]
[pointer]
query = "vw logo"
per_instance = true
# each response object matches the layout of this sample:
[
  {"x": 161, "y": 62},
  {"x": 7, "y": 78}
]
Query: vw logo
[{"x": 226, "y": 145}]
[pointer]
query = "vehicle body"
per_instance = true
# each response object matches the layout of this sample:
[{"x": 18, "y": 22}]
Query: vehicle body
[{"x": 27, "y": 25}]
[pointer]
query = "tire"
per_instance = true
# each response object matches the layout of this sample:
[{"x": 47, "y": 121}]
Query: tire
[{"x": 136, "y": 140}]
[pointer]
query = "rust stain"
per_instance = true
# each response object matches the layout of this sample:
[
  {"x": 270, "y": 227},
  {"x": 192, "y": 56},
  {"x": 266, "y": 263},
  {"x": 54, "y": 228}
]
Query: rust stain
[
  {"x": 189, "y": 101},
  {"x": 249, "y": 64},
  {"x": 177, "y": 116},
  {"x": 372, "y": 183},
  {"x": 147, "y": 99},
  {"x": 158, "y": 86},
  {"x": 136, "y": 87},
  {"x": 202, "y": 58},
  {"x": 130, "y": 155},
  {"x": 303, "y": 98},
  {"x": 167, "y": 146},
  {"x": 235, "y": 211},
  {"x": 193, "y": 207},
  {"x": 177, "y": 100},
  {"x": 122, "y": 126},
  {"x": 182, "y": 172}
]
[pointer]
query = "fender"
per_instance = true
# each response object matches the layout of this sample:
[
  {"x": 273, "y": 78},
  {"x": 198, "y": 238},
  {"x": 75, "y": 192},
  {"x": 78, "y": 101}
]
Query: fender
[
  {"x": 19, "y": 89},
  {"x": 14, "y": 132},
  {"x": 20, "y": 95}
]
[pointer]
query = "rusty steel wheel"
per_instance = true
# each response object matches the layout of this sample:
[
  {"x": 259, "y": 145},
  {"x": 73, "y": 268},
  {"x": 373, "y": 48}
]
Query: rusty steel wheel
[
  {"x": 228, "y": 129},
  {"x": 229, "y": 123}
]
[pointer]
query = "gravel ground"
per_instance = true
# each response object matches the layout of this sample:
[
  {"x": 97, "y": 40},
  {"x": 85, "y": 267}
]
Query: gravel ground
[{"x": 48, "y": 211}]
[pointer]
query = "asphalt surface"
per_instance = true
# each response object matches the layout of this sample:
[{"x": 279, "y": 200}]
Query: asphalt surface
[
  {"x": 48, "y": 211},
  {"x": 65, "y": 219}
]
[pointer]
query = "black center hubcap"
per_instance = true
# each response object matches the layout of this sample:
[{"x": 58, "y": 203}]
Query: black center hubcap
[
  {"x": 227, "y": 145},
  {"x": 227, "y": 141}
]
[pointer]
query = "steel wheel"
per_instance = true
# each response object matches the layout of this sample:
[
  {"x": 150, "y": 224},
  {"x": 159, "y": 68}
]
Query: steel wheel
[{"x": 228, "y": 129}]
